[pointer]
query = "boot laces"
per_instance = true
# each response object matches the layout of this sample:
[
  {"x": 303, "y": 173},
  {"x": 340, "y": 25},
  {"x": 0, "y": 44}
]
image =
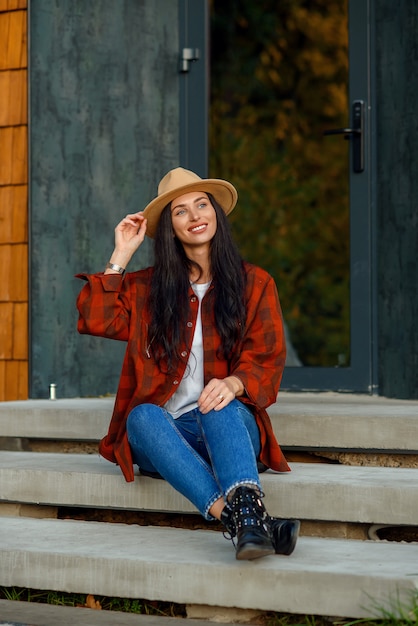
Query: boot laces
[
  {"x": 247, "y": 510},
  {"x": 226, "y": 518}
]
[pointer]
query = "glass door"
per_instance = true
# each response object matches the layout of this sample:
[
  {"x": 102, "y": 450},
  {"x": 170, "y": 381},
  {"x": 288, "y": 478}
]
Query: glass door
[{"x": 290, "y": 127}]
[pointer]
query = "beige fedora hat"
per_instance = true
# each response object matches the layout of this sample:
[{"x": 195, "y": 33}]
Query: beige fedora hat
[{"x": 179, "y": 181}]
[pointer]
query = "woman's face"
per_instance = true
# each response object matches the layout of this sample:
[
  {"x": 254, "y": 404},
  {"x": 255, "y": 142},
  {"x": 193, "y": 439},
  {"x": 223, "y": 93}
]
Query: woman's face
[{"x": 193, "y": 218}]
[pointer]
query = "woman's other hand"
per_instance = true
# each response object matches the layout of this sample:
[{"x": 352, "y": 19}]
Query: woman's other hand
[{"x": 218, "y": 393}]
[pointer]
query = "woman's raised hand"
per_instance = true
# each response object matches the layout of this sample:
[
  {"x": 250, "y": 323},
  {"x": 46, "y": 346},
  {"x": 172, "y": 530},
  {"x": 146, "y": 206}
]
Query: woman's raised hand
[
  {"x": 129, "y": 235},
  {"x": 130, "y": 232}
]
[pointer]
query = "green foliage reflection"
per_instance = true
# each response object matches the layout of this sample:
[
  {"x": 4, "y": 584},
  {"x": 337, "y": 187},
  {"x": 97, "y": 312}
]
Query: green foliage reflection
[{"x": 278, "y": 80}]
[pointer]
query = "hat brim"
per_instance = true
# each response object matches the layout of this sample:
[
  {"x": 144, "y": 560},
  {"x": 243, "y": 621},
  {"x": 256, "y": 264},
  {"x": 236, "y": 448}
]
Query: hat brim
[{"x": 224, "y": 193}]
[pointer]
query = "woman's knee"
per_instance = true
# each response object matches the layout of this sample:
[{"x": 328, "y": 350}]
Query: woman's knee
[{"x": 141, "y": 417}]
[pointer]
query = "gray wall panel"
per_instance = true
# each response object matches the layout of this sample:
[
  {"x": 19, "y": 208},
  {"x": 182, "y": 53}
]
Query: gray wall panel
[
  {"x": 104, "y": 118},
  {"x": 397, "y": 192}
]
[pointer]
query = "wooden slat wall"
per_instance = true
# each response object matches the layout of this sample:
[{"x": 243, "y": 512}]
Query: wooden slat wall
[{"x": 13, "y": 201}]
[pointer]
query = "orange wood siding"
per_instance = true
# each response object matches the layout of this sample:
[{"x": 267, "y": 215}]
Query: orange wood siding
[
  {"x": 13, "y": 201},
  {"x": 12, "y": 5}
]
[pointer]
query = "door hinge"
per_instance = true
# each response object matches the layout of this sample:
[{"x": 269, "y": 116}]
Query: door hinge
[{"x": 187, "y": 56}]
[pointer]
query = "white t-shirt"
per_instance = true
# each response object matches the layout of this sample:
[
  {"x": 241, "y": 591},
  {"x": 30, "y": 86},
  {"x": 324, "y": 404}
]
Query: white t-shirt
[{"x": 191, "y": 386}]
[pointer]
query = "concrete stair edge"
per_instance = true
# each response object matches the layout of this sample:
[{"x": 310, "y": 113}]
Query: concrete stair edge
[
  {"x": 37, "y": 614},
  {"x": 359, "y": 494},
  {"x": 175, "y": 565},
  {"x": 317, "y": 421},
  {"x": 76, "y": 419}
]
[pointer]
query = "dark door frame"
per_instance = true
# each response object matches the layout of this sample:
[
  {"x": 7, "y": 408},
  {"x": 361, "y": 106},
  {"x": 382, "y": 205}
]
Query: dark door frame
[
  {"x": 194, "y": 85},
  {"x": 361, "y": 374}
]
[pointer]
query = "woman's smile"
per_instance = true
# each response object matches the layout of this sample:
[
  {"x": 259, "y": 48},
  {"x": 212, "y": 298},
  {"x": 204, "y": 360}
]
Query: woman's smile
[{"x": 198, "y": 229}]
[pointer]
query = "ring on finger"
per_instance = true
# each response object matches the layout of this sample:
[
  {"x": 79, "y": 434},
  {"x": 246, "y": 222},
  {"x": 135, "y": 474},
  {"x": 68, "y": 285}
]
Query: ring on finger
[{"x": 221, "y": 397}]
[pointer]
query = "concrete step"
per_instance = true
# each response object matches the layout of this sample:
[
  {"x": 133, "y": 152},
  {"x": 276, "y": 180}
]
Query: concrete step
[
  {"x": 311, "y": 491},
  {"x": 315, "y": 421},
  {"x": 75, "y": 419},
  {"x": 15, "y": 613},
  {"x": 322, "y": 421},
  {"x": 323, "y": 576}
]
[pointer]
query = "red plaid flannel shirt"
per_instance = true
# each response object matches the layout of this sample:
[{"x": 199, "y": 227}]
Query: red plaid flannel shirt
[{"x": 113, "y": 306}]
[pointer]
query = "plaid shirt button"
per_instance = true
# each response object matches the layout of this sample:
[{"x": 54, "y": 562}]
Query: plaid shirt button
[
  {"x": 189, "y": 324},
  {"x": 175, "y": 382}
]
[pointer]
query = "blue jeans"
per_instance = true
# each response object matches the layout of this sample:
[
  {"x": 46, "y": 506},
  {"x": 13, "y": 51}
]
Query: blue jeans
[{"x": 204, "y": 457}]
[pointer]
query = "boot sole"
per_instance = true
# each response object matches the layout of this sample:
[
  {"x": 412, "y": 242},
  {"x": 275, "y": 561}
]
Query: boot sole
[{"x": 252, "y": 551}]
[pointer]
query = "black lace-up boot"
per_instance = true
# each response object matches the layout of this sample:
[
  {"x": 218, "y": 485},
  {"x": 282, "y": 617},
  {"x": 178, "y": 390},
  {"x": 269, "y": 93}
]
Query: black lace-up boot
[
  {"x": 248, "y": 522},
  {"x": 284, "y": 533}
]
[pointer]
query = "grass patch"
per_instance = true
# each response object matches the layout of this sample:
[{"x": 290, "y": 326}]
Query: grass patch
[
  {"x": 126, "y": 605},
  {"x": 398, "y": 615}
]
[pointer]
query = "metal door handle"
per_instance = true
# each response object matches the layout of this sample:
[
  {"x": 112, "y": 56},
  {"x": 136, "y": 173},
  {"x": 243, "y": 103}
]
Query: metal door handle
[
  {"x": 356, "y": 134},
  {"x": 343, "y": 131}
]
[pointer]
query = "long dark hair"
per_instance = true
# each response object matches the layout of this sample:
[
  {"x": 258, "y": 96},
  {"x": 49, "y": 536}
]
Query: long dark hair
[{"x": 169, "y": 301}]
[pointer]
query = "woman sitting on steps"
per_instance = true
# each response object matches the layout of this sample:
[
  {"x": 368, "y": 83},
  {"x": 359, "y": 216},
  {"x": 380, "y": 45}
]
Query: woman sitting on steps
[{"x": 204, "y": 359}]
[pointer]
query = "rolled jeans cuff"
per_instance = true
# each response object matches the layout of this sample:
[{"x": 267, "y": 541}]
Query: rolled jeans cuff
[
  {"x": 211, "y": 502},
  {"x": 243, "y": 483}
]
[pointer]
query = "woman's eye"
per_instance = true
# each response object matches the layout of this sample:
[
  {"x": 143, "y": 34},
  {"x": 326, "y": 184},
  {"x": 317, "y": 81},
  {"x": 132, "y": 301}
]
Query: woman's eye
[{"x": 202, "y": 205}]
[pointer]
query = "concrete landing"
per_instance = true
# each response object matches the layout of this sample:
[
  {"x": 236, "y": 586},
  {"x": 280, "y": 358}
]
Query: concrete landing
[
  {"x": 322, "y": 577},
  {"x": 307, "y": 420},
  {"x": 83, "y": 419},
  {"x": 345, "y": 421},
  {"x": 375, "y": 495}
]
